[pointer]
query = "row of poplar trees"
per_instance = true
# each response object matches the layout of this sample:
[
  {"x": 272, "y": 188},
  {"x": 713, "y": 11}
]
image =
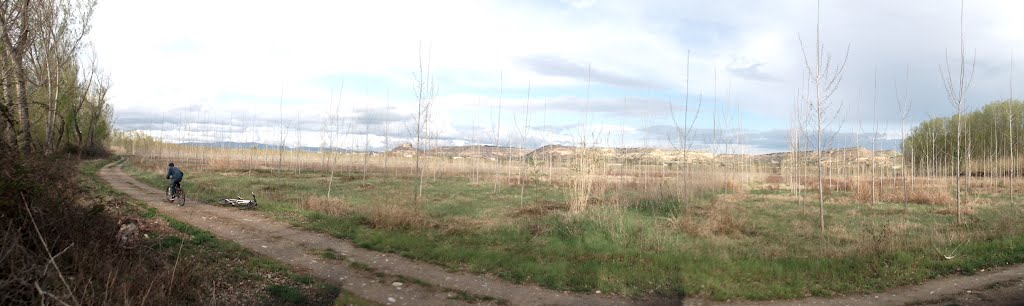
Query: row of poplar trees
[
  {"x": 53, "y": 97},
  {"x": 987, "y": 135}
]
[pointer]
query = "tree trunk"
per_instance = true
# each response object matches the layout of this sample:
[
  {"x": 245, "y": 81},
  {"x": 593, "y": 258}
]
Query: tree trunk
[{"x": 21, "y": 96}]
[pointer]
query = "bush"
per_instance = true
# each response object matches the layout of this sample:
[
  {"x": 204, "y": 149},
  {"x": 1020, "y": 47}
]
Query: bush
[
  {"x": 398, "y": 217},
  {"x": 929, "y": 195},
  {"x": 330, "y": 206},
  {"x": 60, "y": 248}
]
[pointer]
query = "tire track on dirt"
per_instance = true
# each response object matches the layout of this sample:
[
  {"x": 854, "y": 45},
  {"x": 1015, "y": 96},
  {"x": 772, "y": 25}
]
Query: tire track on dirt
[{"x": 288, "y": 244}]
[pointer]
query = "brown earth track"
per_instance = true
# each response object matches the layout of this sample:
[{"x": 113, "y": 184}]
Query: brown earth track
[{"x": 294, "y": 246}]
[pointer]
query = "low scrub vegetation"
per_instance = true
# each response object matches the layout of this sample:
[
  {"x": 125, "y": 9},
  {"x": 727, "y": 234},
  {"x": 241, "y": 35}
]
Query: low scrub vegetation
[
  {"x": 641, "y": 235},
  {"x": 71, "y": 239},
  {"x": 929, "y": 194}
]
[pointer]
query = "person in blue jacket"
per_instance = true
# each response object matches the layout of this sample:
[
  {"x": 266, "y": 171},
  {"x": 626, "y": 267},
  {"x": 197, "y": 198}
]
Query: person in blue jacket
[{"x": 175, "y": 174}]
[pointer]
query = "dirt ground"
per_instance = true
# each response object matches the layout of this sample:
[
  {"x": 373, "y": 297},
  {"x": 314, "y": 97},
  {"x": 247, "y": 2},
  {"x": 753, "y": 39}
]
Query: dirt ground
[{"x": 394, "y": 280}]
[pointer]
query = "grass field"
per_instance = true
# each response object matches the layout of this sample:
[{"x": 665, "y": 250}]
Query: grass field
[
  {"x": 216, "y": 271},
  {"x": 754, "y": 244}
]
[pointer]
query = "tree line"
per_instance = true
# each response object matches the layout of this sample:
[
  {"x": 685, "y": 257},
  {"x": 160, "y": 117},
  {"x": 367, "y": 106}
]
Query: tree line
[
  {"x": 988, "y": 134},
  {"x": 53, "y": 96}
]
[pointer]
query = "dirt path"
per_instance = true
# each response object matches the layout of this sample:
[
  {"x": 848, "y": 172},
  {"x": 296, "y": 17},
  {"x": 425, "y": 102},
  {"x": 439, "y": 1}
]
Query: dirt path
[{"x": 384, "y": 277}]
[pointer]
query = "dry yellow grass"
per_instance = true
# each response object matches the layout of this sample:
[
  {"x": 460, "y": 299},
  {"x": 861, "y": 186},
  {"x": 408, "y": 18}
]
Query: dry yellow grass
[
  {"x": 329, "y": 206},
  {"x": 719, "y": 219},
  {"x": 398, "y": 217},
  {"x": 929, "y": 194}
]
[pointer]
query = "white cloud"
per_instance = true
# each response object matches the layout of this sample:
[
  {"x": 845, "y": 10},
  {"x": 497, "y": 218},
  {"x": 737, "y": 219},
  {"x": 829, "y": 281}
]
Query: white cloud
[{"x": 235, "y": 57}]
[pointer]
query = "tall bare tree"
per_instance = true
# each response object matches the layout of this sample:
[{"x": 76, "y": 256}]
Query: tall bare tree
[
  {"x": 1009, "y": 117},
  {"x": 825, "y": 78},
  {"x": 283, "y": 132},
  {"x": 60, "y": 26},
  {"x": 334, "y": 122},
  {"x": 956, "y": 92},
  {"x": 797, "y": 122},
  {"x": 16, "y": 38},
  {"x": 903, "y": 102},
  {"x": 425, "y": 90},
  {"x": 684, "y": 133}
]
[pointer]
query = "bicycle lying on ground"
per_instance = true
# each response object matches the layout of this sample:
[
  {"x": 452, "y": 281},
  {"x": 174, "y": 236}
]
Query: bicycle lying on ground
[
  {"x": 178, "y": 195},
  {"x": 241, "y": 203}
]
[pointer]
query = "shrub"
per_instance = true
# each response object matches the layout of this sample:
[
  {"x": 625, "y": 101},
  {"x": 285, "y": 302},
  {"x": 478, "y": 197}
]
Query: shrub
[
  {"x": 927, "y": 194},
  {"x": 330, "y": 206},
  {"x": 60, "y": 248},
  {"x": 398, "y": 217}
]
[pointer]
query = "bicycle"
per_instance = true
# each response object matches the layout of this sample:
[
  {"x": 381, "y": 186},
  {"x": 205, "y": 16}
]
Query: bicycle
[
  {"x": 241, "y": 203},
  {"x": 179, "y": 194}
]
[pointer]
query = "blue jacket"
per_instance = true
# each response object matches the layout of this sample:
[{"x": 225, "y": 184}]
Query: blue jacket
[{"x": 173, "y": 172}]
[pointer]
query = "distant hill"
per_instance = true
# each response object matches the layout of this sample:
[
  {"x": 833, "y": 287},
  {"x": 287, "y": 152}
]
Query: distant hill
[
  {"x": 842, "y": 156},
  {"x": 473, "y": 151},
  {"x": 262, "y": 146}
]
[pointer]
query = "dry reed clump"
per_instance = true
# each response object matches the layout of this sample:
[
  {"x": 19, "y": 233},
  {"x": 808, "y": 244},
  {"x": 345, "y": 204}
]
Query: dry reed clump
[
  {"x": 970, "y": 202},
  {"x": 831, "y": 184},
  {"x": 928, "y": 194},
  {"x": 330, "y": 206},
  {"x": 398, "y": 217},
  {"x": 721, "y": 219},
  {"x": 735, "y": 187},
  {"x": 223, "y": 164}
]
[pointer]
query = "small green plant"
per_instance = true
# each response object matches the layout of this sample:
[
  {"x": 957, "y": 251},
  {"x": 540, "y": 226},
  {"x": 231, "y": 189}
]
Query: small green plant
[
  {"x": 287, "y": 294},
  {"x": 330, "y": 254}
]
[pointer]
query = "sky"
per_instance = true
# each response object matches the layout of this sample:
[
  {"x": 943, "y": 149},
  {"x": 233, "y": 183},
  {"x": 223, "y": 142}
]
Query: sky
[{"x": 532, "y": 73}]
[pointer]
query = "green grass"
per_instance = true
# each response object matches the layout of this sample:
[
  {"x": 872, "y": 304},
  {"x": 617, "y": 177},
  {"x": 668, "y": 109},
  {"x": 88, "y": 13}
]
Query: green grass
[
  {"x": 287, "y": 294},
  {"x": 718, "y": 246},
  {"x": 346, "y": 299}
]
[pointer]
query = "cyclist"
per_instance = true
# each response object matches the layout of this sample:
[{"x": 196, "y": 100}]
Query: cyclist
[{"x": 176, "y": 174}]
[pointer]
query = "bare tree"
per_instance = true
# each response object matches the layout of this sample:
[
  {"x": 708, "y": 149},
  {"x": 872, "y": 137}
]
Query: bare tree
[
  {"x": 524, "y": 138},
  {"x": 874, "y": 141},
  {"x": 335, "y": 122},
  {"x": 425, "y": 90},
  {"x": 15, "y": 40},
  {"x": 100, "y": 111},
  {"x": 956, "y": 93},
  {"x": 60, "y": 28},
  {"x": 684, "y": 133},
  {"x": 387, "y": 130},
  {"x": 1009, "y": 117},
  {"x": 366, "y": 139},
  {"x": 797, "y": 122},
  {"x": 826, "y": 78},
  {"x": 582, "y": 183},
  {"x": 497, "y": 123},
  {"x": 298, "y": 142},
  {"x": 283, "y": 131},
  {"x": 903, "y": 102},
  {"x": 91, "y": 72}
]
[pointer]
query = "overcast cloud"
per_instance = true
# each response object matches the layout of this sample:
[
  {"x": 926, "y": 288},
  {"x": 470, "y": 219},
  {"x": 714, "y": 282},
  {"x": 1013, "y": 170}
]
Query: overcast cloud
[{"x": 533, "y": 72}]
